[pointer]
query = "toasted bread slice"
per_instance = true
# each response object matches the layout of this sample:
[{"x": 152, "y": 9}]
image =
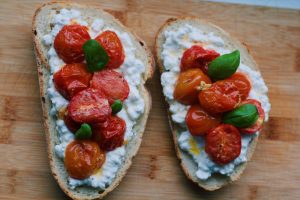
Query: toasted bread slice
[
  {"x": 41, "y": 26},
  {"x": 188, "y": 165}
]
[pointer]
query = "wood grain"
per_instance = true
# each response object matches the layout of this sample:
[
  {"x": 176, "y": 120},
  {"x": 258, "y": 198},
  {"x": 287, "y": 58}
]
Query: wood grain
[{"x": 273, "y": 36}]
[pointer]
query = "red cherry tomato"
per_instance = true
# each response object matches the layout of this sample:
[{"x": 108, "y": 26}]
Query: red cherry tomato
[
  {"x": 89, "y": 106},
  {"x": 113, "y": 46},
  {"x": 197, "y": 57},
  {"x": 186, "y": 87},
  {"x": 110, "y": 135},
  {"x": 223, "y": 143},
  {"x": 112, "y": 84},
  {"x": 83, "y": 158},
  {"x": 241, "y": 81},
  {"x": 70, "y": 123},
  {"x": 260, "y": 121},
  {"x": 69, "y": 41},
  {"x": 222, "y": 96},
  {"x": 71, "y": 79},
  {"x": 199, "y": 122}
]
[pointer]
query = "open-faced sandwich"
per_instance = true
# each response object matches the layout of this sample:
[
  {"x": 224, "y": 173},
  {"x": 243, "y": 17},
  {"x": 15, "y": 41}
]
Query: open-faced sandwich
[
  {"x": 217, "y": 99},
  {"x": 92, "y": 72}
]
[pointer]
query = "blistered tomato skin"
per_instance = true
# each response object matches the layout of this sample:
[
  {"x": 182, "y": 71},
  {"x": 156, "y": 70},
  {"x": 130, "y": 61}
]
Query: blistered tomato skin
[
  {"x": 113, "y": 46},
  {"x": 223, "y": 143},
  {"x": 221, "y": 97},
  {"x": 110, "y": 135},
  {"x": 242, "y": 82},
  {"x": 199, "y": 122},
  {"x": 71, "y": 79},
  {"x": 70, "y": 123},
  {"x": 197, "y": 57},
  {"x": 261, "y": 117},
  {"x": 112, "y": 84},
  {"x": 186, "y": 88},
  {"x": 89, "y": 106},
  {"x": 69, "y": 41},
  {"x": 83, "y": 158}
]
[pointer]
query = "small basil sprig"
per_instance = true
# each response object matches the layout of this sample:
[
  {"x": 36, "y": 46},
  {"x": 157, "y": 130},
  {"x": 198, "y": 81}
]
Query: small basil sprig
[
  {"x": 84, "y": 132},
  {"x": 116, "y": 106},
  {"x": 242, "y": 117},
  {"x": 224, "y": 66},
  {"x": 95, "y": 55}
]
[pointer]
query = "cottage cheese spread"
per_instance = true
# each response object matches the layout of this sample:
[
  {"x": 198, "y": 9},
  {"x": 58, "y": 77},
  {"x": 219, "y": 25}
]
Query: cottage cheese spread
[
  {"x": 175, "y": 44},
  {"x": 134, "y": 105}
]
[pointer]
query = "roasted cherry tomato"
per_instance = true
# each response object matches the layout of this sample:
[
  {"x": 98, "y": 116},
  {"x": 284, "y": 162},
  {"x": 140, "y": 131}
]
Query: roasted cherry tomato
[
  {"x": 186, "y": 87},
  {"x": 222, "y": 96},
  {"x": 70, "y": 123},
  {"x": 113, "y": 46},
  {"x": 89, "y": 106},
  {"x": 112, "y": 84},
  {"x": 223, "y": 143},
  {"x": 71, "y": 79},
  {"x": 110, "y": 135},
  {"x": 69, "y": 41},
  {"x": 83, "y": 158},
  {"x": 197, "y": 57},
  {"x": 199, "y": 121},
  {"x": 241, "y": 81},
  {"x": 261, "y": 117}
]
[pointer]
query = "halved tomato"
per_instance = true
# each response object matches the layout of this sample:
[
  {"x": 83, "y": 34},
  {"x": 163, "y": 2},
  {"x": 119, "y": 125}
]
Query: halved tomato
[
  {"x": 260, "y": 121},
  {"x": 223, "y": 143},
  {"x": 222, "y": 96},
  {"x": 112, "y": 84},
  {"x": 89, "y": 106},
  {"x": 242, "y": 82}
]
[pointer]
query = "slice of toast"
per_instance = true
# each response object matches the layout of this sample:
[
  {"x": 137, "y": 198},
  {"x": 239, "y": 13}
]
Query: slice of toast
[
  {"x": 188, "y": 165},
  {"x": 41, "y": 26}
]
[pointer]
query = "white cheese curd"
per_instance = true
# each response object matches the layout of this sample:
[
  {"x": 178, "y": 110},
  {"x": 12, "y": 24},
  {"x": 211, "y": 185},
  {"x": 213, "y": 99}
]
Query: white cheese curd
[
  {"x": 175, "y": 44},
  {"x": 133, "y": 107}
]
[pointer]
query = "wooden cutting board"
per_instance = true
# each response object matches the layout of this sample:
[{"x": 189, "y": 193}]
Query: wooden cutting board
[{"x": 273, "y": 36}]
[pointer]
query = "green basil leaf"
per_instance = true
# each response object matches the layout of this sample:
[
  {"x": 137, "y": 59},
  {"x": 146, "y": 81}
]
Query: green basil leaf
[
  {"x": 242, "y": 117},
  {"x": 116, "y": 106},
  {"x": 84, "y": 132},
  {"x": 224, "y": 66},
  {"x": 95, "y": 55}
]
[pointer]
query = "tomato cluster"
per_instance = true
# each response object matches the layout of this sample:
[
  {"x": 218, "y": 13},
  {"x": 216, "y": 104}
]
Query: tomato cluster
[
  {"x": 209, "y": 100},
  {"x": 91, "y": 96}
]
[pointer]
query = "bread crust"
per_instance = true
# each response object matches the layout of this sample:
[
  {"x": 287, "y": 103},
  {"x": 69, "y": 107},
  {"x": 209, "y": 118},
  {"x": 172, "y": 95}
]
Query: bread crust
[
  {"x": 216, "y": 181},
  {"x": 56, "y": 164}
]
